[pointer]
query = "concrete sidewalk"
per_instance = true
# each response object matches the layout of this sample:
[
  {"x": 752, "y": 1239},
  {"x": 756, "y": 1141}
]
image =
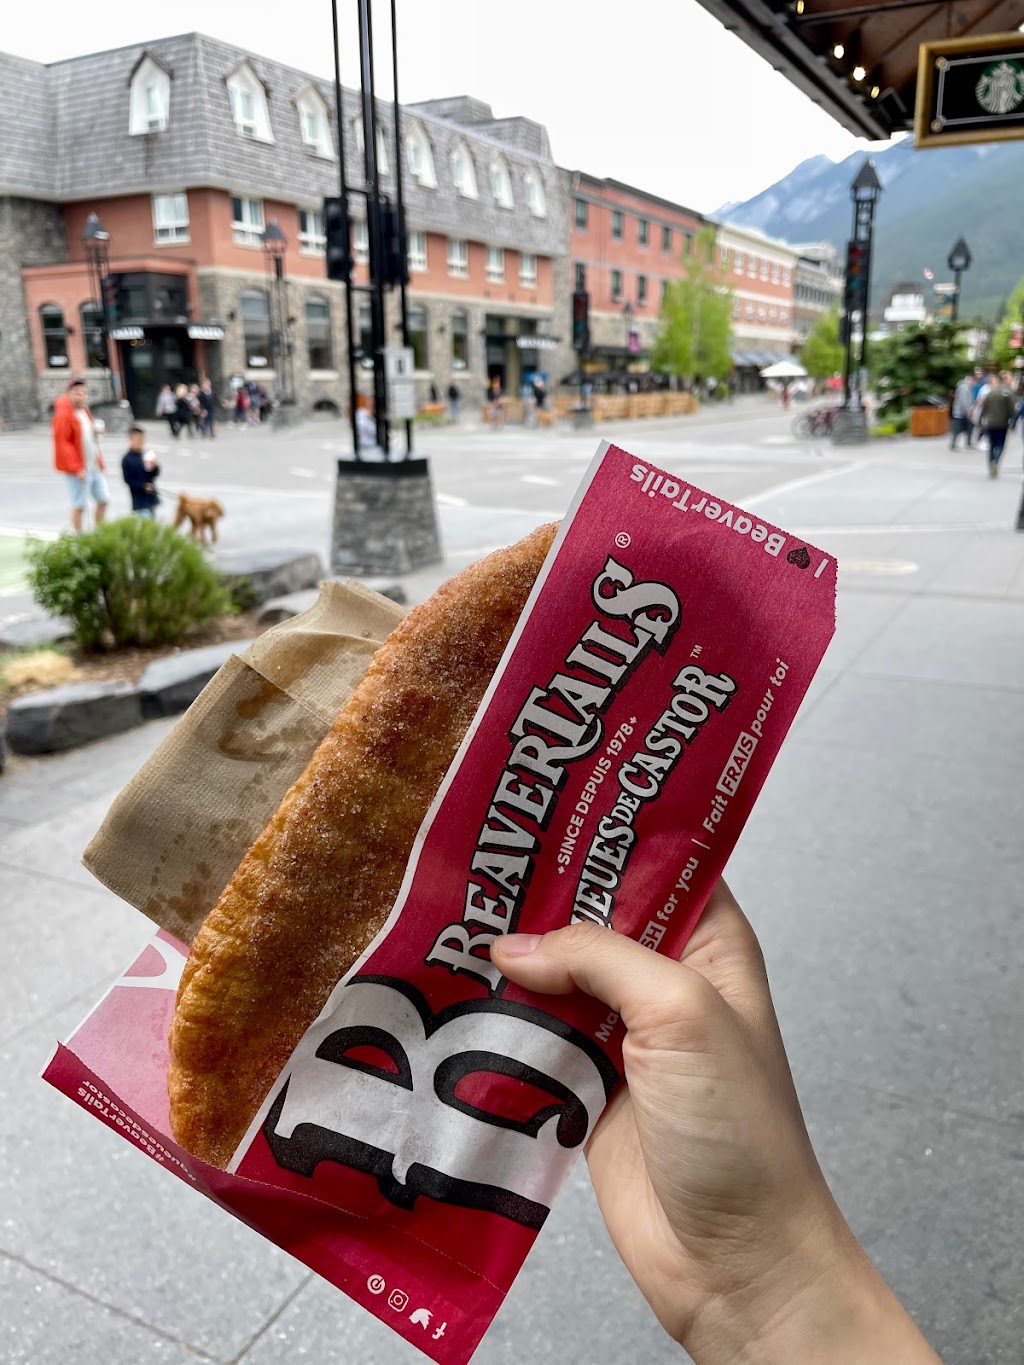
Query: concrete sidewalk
[{"x": 882, "y": 869}]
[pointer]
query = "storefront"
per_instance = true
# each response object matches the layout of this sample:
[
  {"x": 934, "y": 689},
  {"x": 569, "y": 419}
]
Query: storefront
[
  {"x": 514, "y": 351},
  {"x": 154, "y": 340}
]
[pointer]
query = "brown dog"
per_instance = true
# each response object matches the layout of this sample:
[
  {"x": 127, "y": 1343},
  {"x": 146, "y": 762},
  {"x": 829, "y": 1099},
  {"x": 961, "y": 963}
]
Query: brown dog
[{"x": 203, "y": 513}]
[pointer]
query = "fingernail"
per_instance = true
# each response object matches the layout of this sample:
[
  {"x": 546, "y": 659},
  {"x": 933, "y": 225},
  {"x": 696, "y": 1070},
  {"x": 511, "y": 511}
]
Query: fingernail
[{"x": 518, "y": 945}]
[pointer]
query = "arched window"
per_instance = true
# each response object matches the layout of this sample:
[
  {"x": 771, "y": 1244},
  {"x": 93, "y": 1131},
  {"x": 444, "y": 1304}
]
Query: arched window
[
  {"x": 417, "y": 318},
  {"x": 460, "y": 340},
  {"x": 256, "y": 328},
  {"x": 91, "y": 317},
  {"x": 464, "y": 172},
  {"x": 314, "y": 123},
  {"x": 249, "y": 108},
  {"x": 318, "y": 333},
  {"x": 149, "y": 98},
  {"x": 55, "y": 336},
  {"x": 383, "y": 165},
  {"x": 420, "y": 157},
  {"x": 501, "y": 183},
  {"x": 535, "y": 194}
]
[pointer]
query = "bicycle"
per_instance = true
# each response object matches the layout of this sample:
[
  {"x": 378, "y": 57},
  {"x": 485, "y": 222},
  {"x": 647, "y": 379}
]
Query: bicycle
[{"x": 817, "y": 422}]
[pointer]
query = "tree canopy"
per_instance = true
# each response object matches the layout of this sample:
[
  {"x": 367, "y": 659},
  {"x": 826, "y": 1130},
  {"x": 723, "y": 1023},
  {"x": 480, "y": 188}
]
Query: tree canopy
[
  {"x": 1002, "y": 353},
  {"x": 822, "y": 354},
  {"x": 915, "y": 364},
  {"x": 695, "y": 332}
]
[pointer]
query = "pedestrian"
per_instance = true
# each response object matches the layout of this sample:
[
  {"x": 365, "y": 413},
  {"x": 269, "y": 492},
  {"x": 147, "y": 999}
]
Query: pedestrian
[
  {"x": 167, "y": 407},
  {"x": 242, "y": 401},
  {"x": 982, "y": 384},
  {"x": 141, "y": 471},
  {"x": 183, "y": 414},
  {"x": 366, "y": 427},
  {"x": 493, "y": 411},
  {"x": 454, "y": 399},
  {"x": 435, "y": 396},
  {"x": 208, "y": 406},
  {"x": 963, "y": 401},
  {"x": 997, "y": 411},
  {"x": 77, "y": 455},
  {"x": 702, "y": 1164}
]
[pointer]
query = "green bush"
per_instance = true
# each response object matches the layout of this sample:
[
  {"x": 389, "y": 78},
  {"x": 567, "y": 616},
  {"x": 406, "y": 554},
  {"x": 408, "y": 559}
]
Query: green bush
[{"x": 128, "y": 582}]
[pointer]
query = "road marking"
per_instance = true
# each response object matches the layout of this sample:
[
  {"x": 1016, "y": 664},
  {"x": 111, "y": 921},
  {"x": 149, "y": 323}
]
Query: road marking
[
  {"x": 880, "y": 528},
  {"x": 884, "y": 567},
  {"x": 794, "y": 484},
  {"x": 777, "y": 441},
  {"x": 449, "y": 500},
  {"x": 540, "y": 478},
  {"x": 301, "y": 473}
]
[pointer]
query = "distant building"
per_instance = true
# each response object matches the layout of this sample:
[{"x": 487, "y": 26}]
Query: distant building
[
  {"x": 625, "y": 247},
  {"x": 187, "y": 148},
  {"x": 761, "y": 273},
  {"x": 905, "y": 304},
  {"x": 818, "y": 287}
]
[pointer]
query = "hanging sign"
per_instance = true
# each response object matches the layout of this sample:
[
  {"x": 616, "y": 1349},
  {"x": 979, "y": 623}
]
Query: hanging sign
[
  {"x": 127, "y": 334},
  {"x": 205, "y": 331},
  {"x": 970, "y": 90}
]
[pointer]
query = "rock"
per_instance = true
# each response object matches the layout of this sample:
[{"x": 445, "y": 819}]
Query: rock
[
  {"x": 255, "y": 576},
  {"x": 295, "y": 603},
  {"x": 171, "y": 685},
  {"x": 33, "y": 630},
  {"x": 65, "y": 717}
]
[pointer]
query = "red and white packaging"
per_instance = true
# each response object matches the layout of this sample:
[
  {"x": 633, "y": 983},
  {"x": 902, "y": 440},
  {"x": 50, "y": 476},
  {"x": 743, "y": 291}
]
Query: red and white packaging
[{"x": 411, "y": 1149}]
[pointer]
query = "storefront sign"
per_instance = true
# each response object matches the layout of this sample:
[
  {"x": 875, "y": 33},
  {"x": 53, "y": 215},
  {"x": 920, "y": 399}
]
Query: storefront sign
[
  {"x": 536, "y": 343},
  {"x": 205, "y": 331},
  {"x": 970, "y": 90},
  {"x": 256, "y": 362},
  {"x": 127, "y": 334}
]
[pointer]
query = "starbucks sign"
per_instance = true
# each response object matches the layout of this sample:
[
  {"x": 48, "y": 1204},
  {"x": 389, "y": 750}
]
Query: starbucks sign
[{"x": 970, "y": 90}]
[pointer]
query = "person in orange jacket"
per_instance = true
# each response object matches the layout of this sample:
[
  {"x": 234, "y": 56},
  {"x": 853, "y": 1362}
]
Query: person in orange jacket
[{"x": 76, "y": 453}]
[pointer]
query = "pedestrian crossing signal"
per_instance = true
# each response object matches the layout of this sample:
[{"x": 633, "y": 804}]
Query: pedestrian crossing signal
[
  {"x": 581, "y": 320},
  {"x": 339, "y": 255}
]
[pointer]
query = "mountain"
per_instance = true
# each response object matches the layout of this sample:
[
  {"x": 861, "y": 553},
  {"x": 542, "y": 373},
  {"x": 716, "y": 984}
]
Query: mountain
[{"x": 930, "y": 198}]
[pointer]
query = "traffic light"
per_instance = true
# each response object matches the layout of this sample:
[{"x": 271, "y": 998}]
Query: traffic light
[
  {"x": 856, "y": 277},
  {"x": 339, "y": 254},
  {"x": 581, "y": 320},
  {"x": 394, "y": 266},
  {"x": 113, "y": 300}
]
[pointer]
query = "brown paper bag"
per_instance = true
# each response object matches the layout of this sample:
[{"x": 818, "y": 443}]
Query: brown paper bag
[{"x": 178, "y": 830}]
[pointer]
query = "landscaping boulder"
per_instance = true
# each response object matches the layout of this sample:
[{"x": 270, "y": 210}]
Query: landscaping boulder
[
  {"x": 295, "y": 603},
  {"x": 255, "y": 576},
  {"x": 34, "y": 630},
  {"x": 65, "y": 717},
  {"x": 171, "y": 685}
]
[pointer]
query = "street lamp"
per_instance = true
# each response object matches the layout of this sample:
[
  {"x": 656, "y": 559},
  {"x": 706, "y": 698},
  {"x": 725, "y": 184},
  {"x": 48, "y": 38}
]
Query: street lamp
[
  {"x": 96, "y": 245},
  {"x": 275, "y": 245},
  {"x": 864, "y": 191},
  {"x": 958, "y": 260},
  {"x": 632, "y": 339}
]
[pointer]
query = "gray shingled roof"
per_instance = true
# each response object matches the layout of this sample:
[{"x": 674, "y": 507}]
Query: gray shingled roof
[{"x": 64, "y": 136}]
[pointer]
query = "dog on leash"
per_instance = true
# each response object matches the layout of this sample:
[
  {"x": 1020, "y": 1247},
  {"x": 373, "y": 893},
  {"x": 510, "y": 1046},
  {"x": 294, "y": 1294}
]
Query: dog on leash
[{"x": 202, "y": 513}]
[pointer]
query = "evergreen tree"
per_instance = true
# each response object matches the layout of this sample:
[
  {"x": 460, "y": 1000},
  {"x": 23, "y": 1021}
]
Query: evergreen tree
[
  {"x": 1002, "y": 353},
  {"x": 695, "y": 334},
  {"x": 915, "y": 364},
  {"x": 822, "y": 354}
]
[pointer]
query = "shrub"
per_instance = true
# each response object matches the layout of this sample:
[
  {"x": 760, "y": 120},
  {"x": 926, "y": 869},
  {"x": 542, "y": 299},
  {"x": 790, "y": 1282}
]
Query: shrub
[{"x": 128, "y": 582}]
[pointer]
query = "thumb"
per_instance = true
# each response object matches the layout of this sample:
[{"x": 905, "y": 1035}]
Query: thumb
[{"x": 640, "y": 985}]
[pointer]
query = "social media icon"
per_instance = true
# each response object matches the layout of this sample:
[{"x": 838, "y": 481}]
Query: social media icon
[
  {"x": 398, "y": 1300},
  {"x": 376, "y": 1284},
  {"x": 440, "y": 1331},
  {"x": 422, "y": 1316}
]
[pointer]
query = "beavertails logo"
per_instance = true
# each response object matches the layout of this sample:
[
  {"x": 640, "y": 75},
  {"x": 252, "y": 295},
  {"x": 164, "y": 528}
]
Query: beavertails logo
[{"x": 484, "y": 1103}]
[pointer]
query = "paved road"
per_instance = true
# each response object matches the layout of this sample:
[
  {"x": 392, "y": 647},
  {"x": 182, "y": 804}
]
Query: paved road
[{"x": 882, "y": 868}]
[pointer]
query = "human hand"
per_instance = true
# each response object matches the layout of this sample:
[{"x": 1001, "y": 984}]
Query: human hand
[
  {"x": 702, "y": 1165},
  {"x": 81, "y": 475}
]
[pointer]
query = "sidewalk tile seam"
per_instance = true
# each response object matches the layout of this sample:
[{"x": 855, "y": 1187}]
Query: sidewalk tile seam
[
  {"x": 112, "y": 1308},
  {"x": 1013, "y": 1126},
  {"x": 274, "y": 1317},
  {"x": 6, "y": 866}
]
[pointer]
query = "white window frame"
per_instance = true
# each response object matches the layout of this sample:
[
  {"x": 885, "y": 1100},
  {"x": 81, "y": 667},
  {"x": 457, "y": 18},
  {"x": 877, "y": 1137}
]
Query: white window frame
[
  {"x": 748, "y": 308},
  {"x": 360, "y": 240},
  {"x": 310, "y": 104},
  {"x": 142, "y": 118},
  {"x": 495, "y": 269},
  {"x": 419, "y": 157},
  {"x": 417, "y": 251},
  {"x": 501, "y": 183},
  {"x": 762, "y": 312},
  {"x": 248, "y": 229},
  {"x": 528, "y": 269},
  {"x": 383, "y": 164},
  {"x": 752, "y": 266},
  {"x": 458, "y": 258},
  {"x": 464, "y": 180},
  {"x": 776, "y": 272},
  {"x": 243, "y": 83},
  {"x": 312, "y": 238},
  {"x": 170, "y": 219},
  {"x": 536, "y": 199},
  {"x": 764, "y": 267},
  {"x": 739, "y": 262}
]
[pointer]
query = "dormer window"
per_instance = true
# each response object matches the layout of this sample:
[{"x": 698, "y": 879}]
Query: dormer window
[
  {"x": 314, "y": 123},
  {"x": 535, "y": 194},
  {"x": 249, "y": 108},
  {"x": 383, "y": 165},
  {"x": 420, "y": 157},
  {"x": 463, "y": 172},
  {"x": 149, "y": 98},
  {"x": 501, "y": 184}
]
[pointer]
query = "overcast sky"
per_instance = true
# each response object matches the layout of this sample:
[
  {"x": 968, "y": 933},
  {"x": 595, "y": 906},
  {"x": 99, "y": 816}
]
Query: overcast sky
[{"x": 653, "y": 92}]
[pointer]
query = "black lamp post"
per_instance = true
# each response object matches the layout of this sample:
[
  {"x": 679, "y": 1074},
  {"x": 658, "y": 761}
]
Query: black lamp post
[
  {"x": 865, "y": 192},
  {"x": 96, "y": 244},
  {"x": 627, "y": 315},
  {"x": 275, "y": 244},
  {"x": 958, "y": 260}
]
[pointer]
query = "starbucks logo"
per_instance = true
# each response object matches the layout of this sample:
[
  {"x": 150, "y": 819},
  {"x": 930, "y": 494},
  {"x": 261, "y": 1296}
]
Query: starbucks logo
[{"x": 1000, "y": 87}]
